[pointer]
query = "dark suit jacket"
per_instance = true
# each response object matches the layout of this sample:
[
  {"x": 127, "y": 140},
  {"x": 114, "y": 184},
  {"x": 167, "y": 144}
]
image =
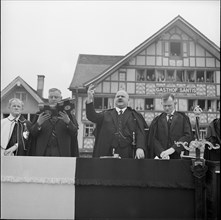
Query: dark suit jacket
[
  {"x": 106, "y": 127},
  {"x": 213, "y": 136},
  {"x": 65, "y": 136},
  {"x": 180, "y": 130}
]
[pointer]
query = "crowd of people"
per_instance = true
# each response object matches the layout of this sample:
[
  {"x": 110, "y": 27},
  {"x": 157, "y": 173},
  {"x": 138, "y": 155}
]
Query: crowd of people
[{"x": 120, "y": 131}]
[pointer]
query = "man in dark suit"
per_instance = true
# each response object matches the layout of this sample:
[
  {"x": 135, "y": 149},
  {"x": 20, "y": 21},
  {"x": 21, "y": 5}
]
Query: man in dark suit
[
  {"x": 166, "y": 129},
  {"x": 120, "y": 130},
  {"x": 54, "y": 135},
  {"x": 213, "y": 136}
]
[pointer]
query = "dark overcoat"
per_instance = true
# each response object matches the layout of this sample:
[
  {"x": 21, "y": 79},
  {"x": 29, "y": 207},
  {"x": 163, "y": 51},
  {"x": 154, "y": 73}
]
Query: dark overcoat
[
  {"x": 161, "y": 138},
  {"x": 66, "y": 137},
  {"x": 106, "y": 128},
  {"x": 213, "y": 136}
]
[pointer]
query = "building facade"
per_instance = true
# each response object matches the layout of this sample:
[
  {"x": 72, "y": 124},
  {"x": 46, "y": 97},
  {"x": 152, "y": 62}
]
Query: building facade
[
  {"x": 177, "y": 59},
  {"x": 18, "y": 88}
]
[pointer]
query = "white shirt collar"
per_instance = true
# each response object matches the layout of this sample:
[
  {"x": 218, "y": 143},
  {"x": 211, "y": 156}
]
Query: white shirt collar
[
  {"x": 11, "y": 118},
  {"x": 172, "y": 113},
  {"x": 119, "y": 109}
]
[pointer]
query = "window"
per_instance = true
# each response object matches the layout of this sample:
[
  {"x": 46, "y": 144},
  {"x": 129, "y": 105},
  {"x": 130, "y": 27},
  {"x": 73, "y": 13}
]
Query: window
[
  {"x": 200, "y": 76},
  {"x": 150, "y": 75},
  {"x": 160, "y": 75},
  {"x": 211, "y": 105},
  {"x": 149, "y": 104},
  {"x": 191, "y": 104},
  {"x": 21, "y": 95},
  {"x": 175, "y": 49},
  {"x": 139, "y": 104},
  {"x": 105, "y": 103},
  {"x": 190, "y": 76},
  {"x": 170, "y": 76},
  {"x": 122, "y": 76},
  {"x": 202, "y": 133},
  {"x": 88, "y": 130},
  {"x": 110, "y": 103},
  {"x": 209, "y": 76},
  {"x": 202, "y": 104},
  {"x": 180, "y": 76},
  {"x": 218, "y": 105},
  {"x": 140, "y": 75},
  {"x": 100, "y": 103}
]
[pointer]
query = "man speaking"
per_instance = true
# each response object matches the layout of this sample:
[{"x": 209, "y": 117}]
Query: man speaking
[{"x": 120, "y": 130}]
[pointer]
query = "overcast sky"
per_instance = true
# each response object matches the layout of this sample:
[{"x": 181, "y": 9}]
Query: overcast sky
[{"x": 46, "y": 37}]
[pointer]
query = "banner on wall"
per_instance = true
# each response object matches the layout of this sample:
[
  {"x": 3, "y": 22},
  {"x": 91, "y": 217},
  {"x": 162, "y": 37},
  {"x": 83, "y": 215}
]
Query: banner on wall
[{"x": 178, "y": 90}]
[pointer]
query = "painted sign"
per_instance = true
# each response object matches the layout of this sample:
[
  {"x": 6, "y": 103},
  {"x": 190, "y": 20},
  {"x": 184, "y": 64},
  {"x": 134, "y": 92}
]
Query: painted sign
[{"x": 180, "y": 90}]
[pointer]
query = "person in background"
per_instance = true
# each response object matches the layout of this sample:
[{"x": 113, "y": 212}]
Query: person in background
[
  {"x": 166, "y": 129},
  {"x": 15, "y": 130},
  {"x": 213, "y": 136},
  {"x": 118, "y": 128},
  {"x": 54, "y": 135}
]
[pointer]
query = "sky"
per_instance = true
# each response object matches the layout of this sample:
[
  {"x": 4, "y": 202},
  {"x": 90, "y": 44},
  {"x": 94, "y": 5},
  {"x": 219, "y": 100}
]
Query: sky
[{"x": 46, "y": 37}]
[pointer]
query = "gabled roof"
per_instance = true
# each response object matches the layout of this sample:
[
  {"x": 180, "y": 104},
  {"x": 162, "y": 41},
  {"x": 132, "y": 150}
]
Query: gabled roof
[
  {"x": 89, "y": 67},
  {"x": 19, "y": 81},
  {"x": 177, "y": 21}
]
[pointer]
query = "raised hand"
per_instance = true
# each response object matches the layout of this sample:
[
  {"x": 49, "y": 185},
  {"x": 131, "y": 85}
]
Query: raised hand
[
  {"x": 64, "y": 116},
  {"x": 90, "y": 93},
  {"x": 42, "y": 118}
]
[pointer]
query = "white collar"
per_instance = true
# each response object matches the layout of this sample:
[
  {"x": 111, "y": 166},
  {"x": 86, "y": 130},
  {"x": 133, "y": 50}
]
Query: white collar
[
  {"x": 172, "y": 113},
  {"x": 12, "y": 118},
  {"x": 119, "y": 109}
]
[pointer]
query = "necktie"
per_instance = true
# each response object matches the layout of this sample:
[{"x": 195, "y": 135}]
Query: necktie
[
  {"x": 169, "y": 120},
  {"x": 53, "y": 121},
  {"x": 120, "y": 112}
]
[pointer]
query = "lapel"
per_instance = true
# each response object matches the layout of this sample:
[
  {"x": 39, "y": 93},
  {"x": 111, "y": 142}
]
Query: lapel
[
  {"x": 126, "y": 115},
  {"x": 21, "y": 119},
  {"x": 164, "y": 123},
  {"x": 114, "y": 117},
  {"x": 174, "y": 119}
]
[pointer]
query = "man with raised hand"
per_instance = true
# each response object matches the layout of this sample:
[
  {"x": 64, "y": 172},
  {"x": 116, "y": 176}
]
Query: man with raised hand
[{"x": 120, "y": 130}]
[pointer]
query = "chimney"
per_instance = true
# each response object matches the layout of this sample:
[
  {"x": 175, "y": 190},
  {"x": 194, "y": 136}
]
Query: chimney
[{"x": 40, "y": 85}]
